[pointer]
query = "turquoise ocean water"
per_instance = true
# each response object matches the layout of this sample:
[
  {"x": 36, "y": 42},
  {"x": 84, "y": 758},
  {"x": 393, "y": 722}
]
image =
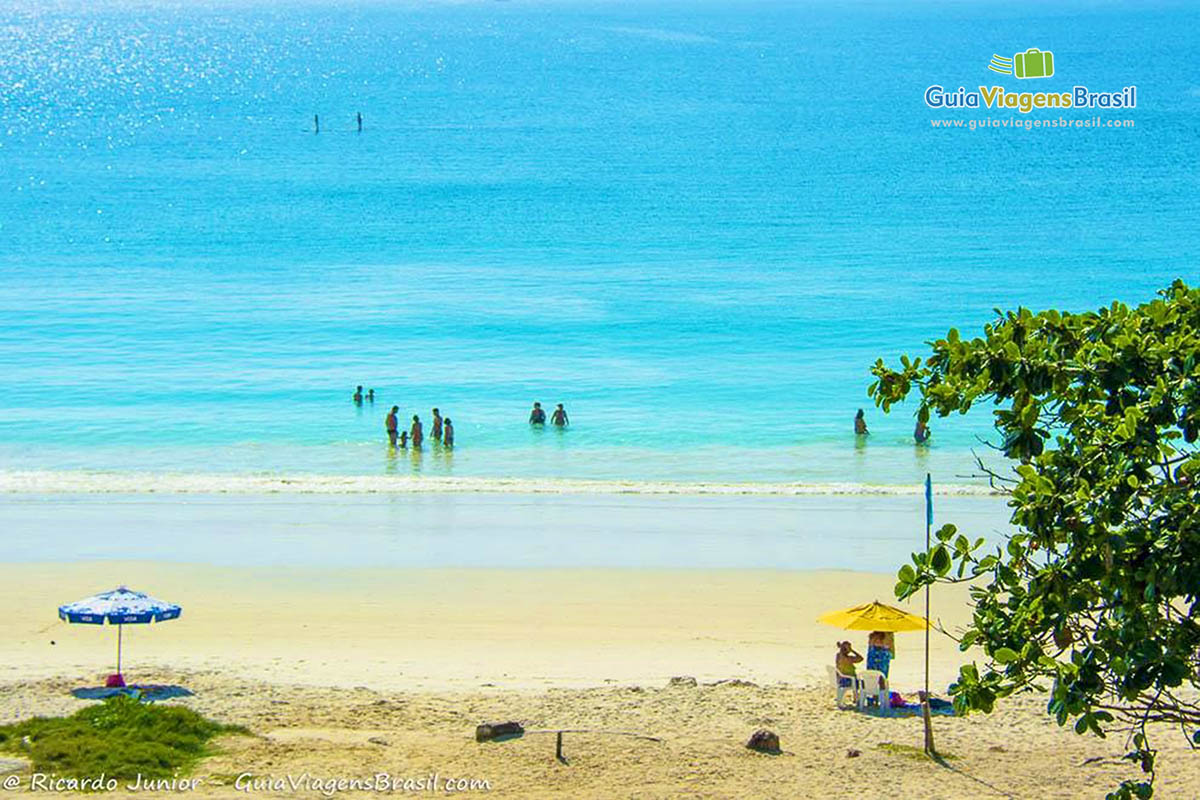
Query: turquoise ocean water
[{"x": 696, "y": 225}]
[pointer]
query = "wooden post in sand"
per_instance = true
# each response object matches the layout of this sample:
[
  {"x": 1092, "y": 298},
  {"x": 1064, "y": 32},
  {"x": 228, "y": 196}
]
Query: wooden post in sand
[
  {"x": 929, "y": 749},
  {"x": 558, "y": 748}
]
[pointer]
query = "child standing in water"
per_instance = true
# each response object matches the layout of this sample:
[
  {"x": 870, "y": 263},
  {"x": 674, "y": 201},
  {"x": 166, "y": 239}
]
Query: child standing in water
[{"x": 448, "y": 433}]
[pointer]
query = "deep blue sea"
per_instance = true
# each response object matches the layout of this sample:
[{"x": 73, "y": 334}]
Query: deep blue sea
[{"x": 696, "y": 225}]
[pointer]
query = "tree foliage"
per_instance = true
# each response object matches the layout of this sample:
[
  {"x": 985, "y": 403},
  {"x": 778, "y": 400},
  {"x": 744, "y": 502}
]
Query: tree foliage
[{"x": 1094, "y": 597}]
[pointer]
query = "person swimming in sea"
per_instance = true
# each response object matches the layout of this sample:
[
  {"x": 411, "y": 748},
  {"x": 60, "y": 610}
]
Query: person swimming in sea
[
  {"x": 358, "y": 396},
  {"x": 860, "y": 424},
  {"x": 921, "y": 433},
  {"x": 537, "y": 416},
  {"x": 370, "y": 395},
  {"x": 435, "y": 432},
  {"x": 559, "y": 417},
  {"x": 448, "y": 433},
  {"x": 392, "y": 425},
  {"x": 416, "y": 436}
]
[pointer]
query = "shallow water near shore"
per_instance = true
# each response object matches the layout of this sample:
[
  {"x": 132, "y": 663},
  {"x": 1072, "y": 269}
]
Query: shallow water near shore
[{"x": 865, "y": 533}]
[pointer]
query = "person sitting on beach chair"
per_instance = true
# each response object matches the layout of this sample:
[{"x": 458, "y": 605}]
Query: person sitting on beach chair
[{"x": 845, "y": 661}]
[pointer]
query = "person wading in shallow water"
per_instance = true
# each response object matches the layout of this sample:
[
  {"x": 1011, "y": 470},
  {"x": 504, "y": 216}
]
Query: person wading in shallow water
[
  {"x": 435, "y": 432},
  {"x": 537, "y": 416},
  {"x": 392, "y": 425},
  {"x": 448, "y": 434},
  {"x": 921, "y": 433},
  {"x": 860, "y": 424},
  {"x": 559, "y": 417},
  {"x": 416, "y": 436}
]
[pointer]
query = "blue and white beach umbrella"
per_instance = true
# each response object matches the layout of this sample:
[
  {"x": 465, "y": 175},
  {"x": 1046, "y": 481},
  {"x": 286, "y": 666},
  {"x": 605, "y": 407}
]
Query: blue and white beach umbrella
[{"x": 119, "y": 607}]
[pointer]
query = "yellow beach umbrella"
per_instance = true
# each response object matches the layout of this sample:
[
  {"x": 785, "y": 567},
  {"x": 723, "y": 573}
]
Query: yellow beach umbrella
[{"x": 874, "y": 616}]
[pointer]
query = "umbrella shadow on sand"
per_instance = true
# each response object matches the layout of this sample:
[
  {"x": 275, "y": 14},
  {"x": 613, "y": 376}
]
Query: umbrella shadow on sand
[{"x": 144, "y": 693}]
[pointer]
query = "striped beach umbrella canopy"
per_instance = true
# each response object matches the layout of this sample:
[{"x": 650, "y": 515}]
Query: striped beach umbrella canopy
[{"x": 120, "y": 607}]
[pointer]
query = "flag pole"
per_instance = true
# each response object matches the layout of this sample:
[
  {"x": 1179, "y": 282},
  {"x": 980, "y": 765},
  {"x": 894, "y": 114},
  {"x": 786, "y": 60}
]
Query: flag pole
[{"x": 929, "y": 749}]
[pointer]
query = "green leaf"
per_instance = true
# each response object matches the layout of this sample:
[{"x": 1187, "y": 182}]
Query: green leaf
[
  {"x": 1005, "y": 655},
  {"x": 940, "y": 562}
]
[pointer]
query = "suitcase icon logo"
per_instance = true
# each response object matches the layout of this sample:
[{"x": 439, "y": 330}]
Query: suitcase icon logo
[{"x": 1033, "y": 63}]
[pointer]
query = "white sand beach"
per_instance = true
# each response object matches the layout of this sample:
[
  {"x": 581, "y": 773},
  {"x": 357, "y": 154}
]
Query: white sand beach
[
  {"x": 344, "y": 673},
  {"x": 452, "y": 630}
]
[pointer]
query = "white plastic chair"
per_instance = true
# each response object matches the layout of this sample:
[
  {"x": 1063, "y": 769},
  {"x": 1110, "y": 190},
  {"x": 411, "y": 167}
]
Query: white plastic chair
[
  {"x": 873, "y": 684},
  {"x": 850, "y": 684}
]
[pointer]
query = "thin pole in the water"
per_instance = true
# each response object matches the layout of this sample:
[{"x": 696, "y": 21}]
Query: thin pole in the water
[
  {"x": 929, "y": 749},
  {"x": 316, "y": 124},
  {"x": 360, "y": 122}
]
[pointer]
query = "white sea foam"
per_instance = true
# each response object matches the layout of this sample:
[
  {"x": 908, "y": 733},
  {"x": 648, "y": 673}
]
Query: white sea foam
[{"x": 82, "y": 482}]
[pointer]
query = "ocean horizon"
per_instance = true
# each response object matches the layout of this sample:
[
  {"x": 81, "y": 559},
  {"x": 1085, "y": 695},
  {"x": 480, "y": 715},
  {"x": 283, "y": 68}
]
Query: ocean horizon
[{"x": 695, "y": 226}]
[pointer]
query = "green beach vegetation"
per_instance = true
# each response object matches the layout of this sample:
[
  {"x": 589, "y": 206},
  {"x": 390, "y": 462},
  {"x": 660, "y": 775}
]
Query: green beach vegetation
[
  {"x": 1095, "y": 597},
  {"x": 120, "y": 738}
]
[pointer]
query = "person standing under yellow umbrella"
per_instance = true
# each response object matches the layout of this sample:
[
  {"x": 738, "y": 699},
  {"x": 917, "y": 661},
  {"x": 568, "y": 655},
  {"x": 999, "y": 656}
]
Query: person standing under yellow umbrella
[{"x": 881, "y": 649}]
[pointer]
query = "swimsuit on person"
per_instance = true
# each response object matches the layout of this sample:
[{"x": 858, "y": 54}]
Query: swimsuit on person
[{"x": 879, "y": 658}]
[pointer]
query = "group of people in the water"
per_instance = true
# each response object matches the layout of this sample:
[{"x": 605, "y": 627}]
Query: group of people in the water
[
  {"x": 559, "y": 419},
  {"x": 921, "y": 433},
  {"x": 442, "y": 430}
]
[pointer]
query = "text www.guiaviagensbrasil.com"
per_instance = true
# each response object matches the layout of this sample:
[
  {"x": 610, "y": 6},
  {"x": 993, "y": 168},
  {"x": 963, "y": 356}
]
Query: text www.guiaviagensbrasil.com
[{"x": 1012, "y": 123}]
